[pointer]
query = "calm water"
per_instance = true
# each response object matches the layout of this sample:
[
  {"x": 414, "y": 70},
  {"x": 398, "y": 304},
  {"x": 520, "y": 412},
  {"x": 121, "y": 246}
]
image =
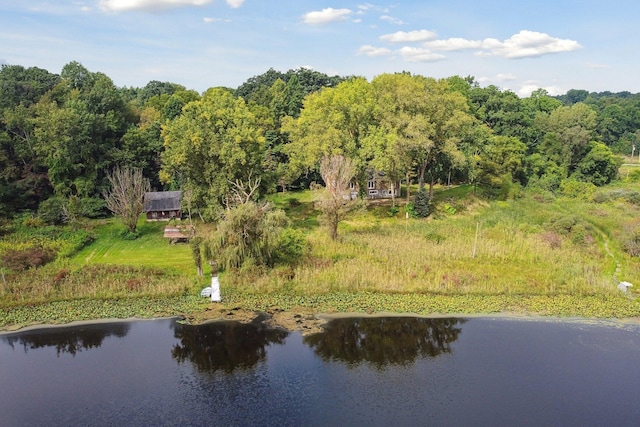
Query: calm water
[{"x": 370, "y": 371}]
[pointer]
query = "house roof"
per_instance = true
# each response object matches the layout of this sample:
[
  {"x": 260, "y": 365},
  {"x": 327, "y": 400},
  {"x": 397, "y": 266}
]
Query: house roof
[{"x": 158, "y": 201}]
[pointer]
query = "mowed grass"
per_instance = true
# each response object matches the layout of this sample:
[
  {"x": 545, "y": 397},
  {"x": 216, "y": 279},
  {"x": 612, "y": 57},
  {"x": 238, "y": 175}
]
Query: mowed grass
[
  {"x": 111, "y": 267},
  {"x": 149, "y": 249}
]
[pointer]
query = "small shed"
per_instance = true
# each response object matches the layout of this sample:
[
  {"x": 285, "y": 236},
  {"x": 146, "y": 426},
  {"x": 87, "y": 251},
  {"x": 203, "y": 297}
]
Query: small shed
[{"x": 163, "y": 205}]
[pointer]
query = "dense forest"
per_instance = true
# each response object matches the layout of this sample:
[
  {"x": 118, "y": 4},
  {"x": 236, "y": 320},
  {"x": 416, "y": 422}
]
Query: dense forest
[{"x": 62, "y": 134}]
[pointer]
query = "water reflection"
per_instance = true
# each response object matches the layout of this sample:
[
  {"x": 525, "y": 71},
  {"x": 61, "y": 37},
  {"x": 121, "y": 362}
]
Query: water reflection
[
  {"x": 224, "y": 346},
  {"x": 384, "y": 341},
  {"x": 67, "y": 340}
]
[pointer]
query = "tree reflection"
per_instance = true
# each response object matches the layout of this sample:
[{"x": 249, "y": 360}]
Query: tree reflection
[
  {"x": 383, "y": 341},
  {"x": 224, "y": 346},
  {"x": 70, "y": 340}
]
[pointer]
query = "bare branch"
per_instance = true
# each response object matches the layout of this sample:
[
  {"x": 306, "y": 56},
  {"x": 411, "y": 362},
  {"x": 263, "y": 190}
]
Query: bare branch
[
  {"x": 242, "y": 192},
  {"x": 126, "y": 197}
]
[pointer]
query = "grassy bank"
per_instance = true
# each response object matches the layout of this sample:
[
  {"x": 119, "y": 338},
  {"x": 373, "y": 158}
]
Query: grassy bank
[{"x": 534, "y": 255}]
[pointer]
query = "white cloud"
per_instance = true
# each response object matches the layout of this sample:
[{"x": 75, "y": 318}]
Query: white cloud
[
  {"x": 368, "y": 6},
  {"x": 235, "y": 3},
  {"x": 392, "y": 20},
  {"x": 529, "y": 86},
  {"x": 453, "y": 44},
  {"x": 148, "y": 5},
  {"x": 373, "y": 51},
  {"x": 408, "y": 37},
  {"x": 505, "y": 77},
  {"x": 208, "y": 20},
  {"x": 418, "y": 54},
  {"x": 326, "y": 15},
  {"x": 597, "y": 66},
  {"x": 527, "y": 44}
]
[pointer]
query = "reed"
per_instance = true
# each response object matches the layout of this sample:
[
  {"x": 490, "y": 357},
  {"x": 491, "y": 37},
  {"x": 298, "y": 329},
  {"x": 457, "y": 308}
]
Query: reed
[{"x": 520, "y": 250}]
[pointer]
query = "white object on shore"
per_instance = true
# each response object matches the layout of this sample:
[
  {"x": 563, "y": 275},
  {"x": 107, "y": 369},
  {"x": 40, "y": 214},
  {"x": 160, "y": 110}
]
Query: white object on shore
[
  {"x": 624, "y": 286},
  {"x": 206, "y": 292},
  {"x": 215, "y": 289}
]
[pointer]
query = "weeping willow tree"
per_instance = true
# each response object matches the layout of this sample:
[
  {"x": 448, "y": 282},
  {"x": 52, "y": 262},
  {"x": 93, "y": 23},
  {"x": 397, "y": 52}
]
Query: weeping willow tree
[{"x": 252, "y": 233}]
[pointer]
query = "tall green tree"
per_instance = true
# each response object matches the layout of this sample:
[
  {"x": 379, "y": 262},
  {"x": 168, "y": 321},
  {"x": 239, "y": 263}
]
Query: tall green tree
[
  {"x": 502, "y": 156},
  {"x": 400, "y": 127},
  {"x": 78, "y": 126},
  {"x": 567, "y": 132},
  {"x": 599, "y": 166},
  {"x": 334, "y": 122},
  {"x": 448, "y": 121},
  {"x": 503, "y": 112},
  {"x": 23, "y": 178},
  {"x": 214, "y": 142}
]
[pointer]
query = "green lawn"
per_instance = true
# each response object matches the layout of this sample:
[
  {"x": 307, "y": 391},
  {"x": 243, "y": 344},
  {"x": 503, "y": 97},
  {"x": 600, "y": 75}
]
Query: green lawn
[{"x": 149, "y": 249}]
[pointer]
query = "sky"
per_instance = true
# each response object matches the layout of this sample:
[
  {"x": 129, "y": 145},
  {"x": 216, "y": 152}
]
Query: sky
[{"x": 520, "y": 46}]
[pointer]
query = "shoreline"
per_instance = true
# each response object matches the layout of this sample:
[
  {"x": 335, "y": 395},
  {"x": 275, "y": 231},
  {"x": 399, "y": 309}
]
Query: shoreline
[{"x": 311, "y": 322}]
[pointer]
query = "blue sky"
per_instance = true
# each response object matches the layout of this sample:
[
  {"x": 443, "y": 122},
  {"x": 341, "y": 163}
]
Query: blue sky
[{"x": 521, "y": 46}]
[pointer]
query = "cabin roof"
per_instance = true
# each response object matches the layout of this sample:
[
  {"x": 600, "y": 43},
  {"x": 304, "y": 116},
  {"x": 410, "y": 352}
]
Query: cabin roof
[{"x": 158, "y": 201}]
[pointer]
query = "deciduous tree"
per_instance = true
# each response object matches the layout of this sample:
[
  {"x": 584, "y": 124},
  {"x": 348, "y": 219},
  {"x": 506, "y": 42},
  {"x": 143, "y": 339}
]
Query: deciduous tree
[
  {"x": 334, "y": 200},
  {"x": 214, "y": 142},
  {"x": 126, "y": 196}
]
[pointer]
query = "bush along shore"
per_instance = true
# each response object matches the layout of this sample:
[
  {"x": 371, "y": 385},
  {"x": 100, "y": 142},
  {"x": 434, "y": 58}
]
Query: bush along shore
[{"x": 535, "y": 255}]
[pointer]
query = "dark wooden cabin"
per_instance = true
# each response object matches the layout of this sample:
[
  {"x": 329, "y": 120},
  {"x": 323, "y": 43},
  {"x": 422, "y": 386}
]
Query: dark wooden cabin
[{"x": 163, "y": 205}]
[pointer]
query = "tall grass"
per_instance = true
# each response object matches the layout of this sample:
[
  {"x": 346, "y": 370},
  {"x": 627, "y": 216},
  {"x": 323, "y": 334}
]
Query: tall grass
[
  {"x": 517, "y": 252},
  {"x": 63, "y": 281}
]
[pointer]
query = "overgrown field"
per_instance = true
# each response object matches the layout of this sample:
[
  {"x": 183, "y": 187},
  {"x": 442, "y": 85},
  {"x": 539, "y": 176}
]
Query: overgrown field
[
  {"x": 536, "y": 254},
  {"x": 531, "y": 246}
]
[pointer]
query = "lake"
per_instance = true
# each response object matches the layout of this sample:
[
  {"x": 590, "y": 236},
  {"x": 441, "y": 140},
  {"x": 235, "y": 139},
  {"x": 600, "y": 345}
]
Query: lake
[{"x": 401, "y": 371}]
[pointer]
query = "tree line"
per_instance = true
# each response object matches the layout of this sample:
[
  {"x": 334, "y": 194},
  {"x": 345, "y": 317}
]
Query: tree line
[{"x": 62, "y": 136}]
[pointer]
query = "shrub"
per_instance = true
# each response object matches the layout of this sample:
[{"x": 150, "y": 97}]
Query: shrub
[
  {"x": 563, "y": 224},
  {"x": 291, "y": 246},
  {"x": 421, "y": 204},
  {"x": 31, "y": 222},
  {"x": 449, "y": 209},
  {"x": 58, "y": 210},
  {"x": 435, "y": 237},
  {"x": 632, "y": 244},
  {"x": 27, "y": 258},
  {"x": 552, "y": 239},
  {"x": 92, "y": 207},
  {"x": 126, "y": 234},
  {"x": 411, "y": 210},
  {"x": 51, "y": 210},
  {"x": 631, "y": 196},
  {"x": 634, "y": 176},
  {"x": 577, "y": 190},
  {"x": 293, "y": 202}
]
